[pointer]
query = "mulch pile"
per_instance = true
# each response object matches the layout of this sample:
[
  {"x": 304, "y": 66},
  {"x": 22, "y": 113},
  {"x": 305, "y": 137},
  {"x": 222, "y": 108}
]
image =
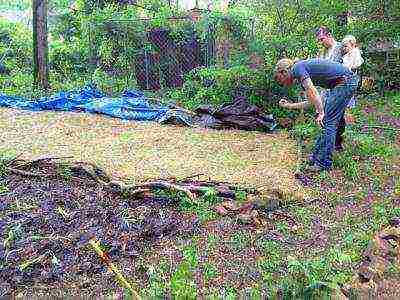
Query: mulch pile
[{"x": 50, "y": 211}]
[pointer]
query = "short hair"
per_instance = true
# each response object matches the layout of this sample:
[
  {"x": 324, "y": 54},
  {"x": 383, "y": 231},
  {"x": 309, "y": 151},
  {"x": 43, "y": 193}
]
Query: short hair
[
  {"x": 283, "y": 64},
  {"x": 322, "y": 31}
]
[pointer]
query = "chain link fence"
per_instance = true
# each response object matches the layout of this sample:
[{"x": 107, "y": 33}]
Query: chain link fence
[{"x": 136, "y": 55}]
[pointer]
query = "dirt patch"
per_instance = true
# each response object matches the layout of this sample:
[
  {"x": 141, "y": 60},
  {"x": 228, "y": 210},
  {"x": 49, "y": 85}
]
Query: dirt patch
[
  {"x": 47, "y": 222},
  {"x": 46, "y": 225}
]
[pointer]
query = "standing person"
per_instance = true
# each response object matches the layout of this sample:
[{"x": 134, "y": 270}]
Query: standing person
[
  {"x": 352, "y": 59},
  {"x": 340, "y": 81},
  {"x": 333, "y": 49}
]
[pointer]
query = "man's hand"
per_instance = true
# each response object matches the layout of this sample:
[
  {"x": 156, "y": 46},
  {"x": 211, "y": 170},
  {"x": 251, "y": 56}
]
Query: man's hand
[
  {"x": 320, "y": 118},
  {"x": 284, "y": 103}
]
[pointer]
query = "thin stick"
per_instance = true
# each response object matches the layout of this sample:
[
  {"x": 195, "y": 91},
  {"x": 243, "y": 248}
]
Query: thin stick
[
  {"x": 50, "y": 158},
  {"x": 138, "y": 191},
  {"x": 30, "y": 174},
  {"x": 56, "y": 237},
  {"x": 35, "y": 161},
  {"x": 96, "y": 246},
  {"x": 191, "y": 176},
  {"x": 13, "y": 160}
]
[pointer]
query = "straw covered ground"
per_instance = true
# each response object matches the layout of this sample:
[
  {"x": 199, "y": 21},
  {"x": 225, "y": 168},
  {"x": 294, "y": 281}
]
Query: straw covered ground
[{"x": 134, "y": 151}]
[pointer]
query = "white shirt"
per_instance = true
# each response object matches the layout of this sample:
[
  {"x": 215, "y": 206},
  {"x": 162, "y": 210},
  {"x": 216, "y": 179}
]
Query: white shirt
[{"x": 353, "y": 59}]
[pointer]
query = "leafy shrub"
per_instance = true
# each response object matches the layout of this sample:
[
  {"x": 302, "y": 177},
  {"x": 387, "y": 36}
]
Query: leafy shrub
[
  {"x": 394, "y": 102},
  {"x": 305, "y": 131},
  {"x": 218, "y": 86},
  {"x": 67, "y": 58},
  {"x": 16, "y": 57},
  {"x": 15, "y": 5},
  {"x": 15, "y": 45}
]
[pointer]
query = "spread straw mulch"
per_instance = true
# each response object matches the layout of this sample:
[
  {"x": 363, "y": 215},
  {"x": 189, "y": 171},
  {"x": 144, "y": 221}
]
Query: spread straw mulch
[{"x": 137, "y": 152}]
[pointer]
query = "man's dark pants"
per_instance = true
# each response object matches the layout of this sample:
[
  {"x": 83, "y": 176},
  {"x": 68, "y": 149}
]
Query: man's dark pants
[
  {"x": 336, "y": 102},
  {"x": 339, "y": 134}
]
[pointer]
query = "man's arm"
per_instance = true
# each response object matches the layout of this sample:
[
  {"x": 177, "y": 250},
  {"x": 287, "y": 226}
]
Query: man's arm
[
  {"x": 314, "y": 97},
  {"x": 294, "y": 105},
  {"x": 299, "y": 105}
]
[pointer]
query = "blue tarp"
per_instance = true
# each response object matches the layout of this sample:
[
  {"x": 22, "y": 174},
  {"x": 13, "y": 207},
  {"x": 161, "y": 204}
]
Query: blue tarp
[{"x": 132, "y": 105}]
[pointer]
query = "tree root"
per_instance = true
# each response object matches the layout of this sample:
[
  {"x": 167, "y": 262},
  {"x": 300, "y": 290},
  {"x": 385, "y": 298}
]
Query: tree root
[{"x": 51, "y": 167}]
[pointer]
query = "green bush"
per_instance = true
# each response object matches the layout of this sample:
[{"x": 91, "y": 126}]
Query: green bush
[
  {"x": 15, "y": 5},
  {"x": 269, "y": 32},
  {"x": 394, "y": 102},
  {"x": 218, "y": 86},
  {"x": 16, "y": 57},
  {"x": 15, "y": 45},
  {"x": 305, "y": 131},
  {"x": 67, "y": 58}
]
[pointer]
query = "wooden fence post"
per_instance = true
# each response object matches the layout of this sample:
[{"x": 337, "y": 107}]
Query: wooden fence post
[{"x": 40, "y": 44}]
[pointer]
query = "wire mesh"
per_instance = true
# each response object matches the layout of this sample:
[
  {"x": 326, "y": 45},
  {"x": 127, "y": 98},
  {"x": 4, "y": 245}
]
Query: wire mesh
[
  {"x": 143, "y": 57},
  {"x": 136, "y": 55}
]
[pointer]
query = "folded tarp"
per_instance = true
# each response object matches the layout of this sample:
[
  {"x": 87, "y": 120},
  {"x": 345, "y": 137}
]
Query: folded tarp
[
  {"x": 132, "y": 105},
  {"x": 239, "y": 114}
]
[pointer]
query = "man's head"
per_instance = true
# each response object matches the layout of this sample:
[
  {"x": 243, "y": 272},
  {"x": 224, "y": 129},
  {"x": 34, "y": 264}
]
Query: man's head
[
  {"x": 282, "y": 73},
  {"x": 324, "y": 37}
]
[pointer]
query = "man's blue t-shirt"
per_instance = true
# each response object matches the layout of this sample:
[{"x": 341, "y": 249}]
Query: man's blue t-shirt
[{"x": 322, "y": 72}]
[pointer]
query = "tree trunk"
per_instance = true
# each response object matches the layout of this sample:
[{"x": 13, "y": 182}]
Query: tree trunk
[{"x": 40, "y": 45}]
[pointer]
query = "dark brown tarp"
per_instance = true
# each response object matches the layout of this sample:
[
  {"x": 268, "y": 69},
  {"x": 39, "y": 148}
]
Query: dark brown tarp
[{"x": 238, "y": 115}]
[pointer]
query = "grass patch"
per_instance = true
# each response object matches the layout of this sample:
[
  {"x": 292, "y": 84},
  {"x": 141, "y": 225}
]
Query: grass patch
[
  {"x": 182, "y": 283},
  {"x": 212, "y": 241},
  {"x": 239, "y": 241},
  {"x": 203, "y": 208},
  {"x": 158, "y": 287},
  {"x": 64, "y": 171},
  {"x": 210, "y": 271},
  {"x": 367, "y": 146},
  {"x": 393, "y": 100},
  {"x": 3, "y": 188}
]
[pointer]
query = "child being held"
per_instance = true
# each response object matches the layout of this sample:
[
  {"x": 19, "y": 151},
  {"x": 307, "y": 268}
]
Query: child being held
[{"x": 351, "y": 59}]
